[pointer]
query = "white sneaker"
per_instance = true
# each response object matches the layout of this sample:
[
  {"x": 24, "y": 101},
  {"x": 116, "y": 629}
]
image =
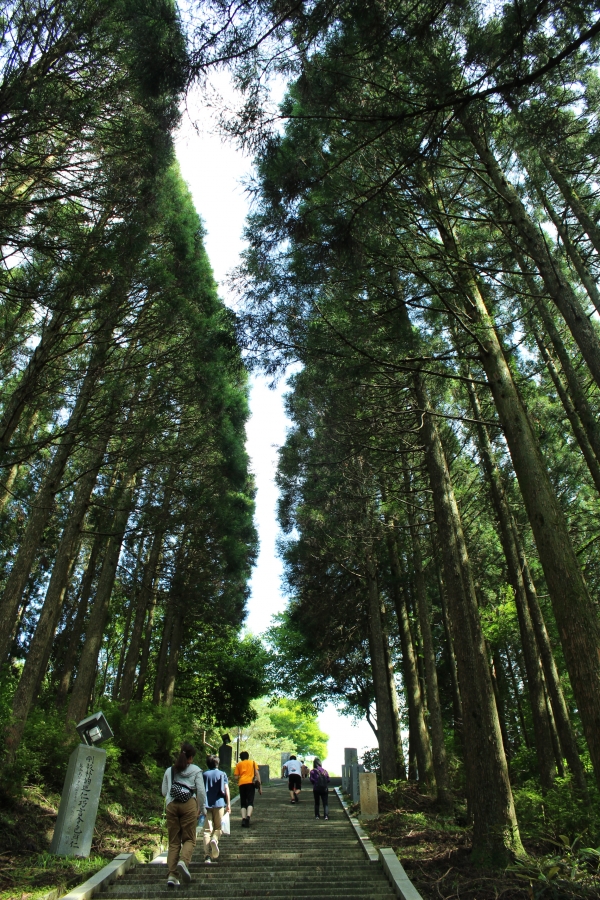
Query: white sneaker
[
  {"x": 208, "y": 861},
  {"x": 214, "y": 849},
  {"x": 184, "y": 872},
  {"x": 172, "y": 882}
]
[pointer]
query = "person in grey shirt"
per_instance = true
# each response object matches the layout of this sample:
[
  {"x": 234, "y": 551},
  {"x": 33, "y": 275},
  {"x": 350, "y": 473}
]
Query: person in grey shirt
[{"x": 185, "y": 798}]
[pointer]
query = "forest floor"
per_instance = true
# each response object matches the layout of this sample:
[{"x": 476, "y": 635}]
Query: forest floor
[
  {"x": 28, "y": 871},
  {"x": 435, "y": 852},
  {"x": 130, "y": 820}
]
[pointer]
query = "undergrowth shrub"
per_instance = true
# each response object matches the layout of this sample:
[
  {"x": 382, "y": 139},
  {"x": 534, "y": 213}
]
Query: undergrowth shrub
[
  {"x": 145, "y": 740},
  {"x": 560, "y": 811}
]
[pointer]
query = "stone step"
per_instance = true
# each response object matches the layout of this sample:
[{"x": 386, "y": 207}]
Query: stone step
[
  {"x": 259, "y": 874},
  {"x": 240, "y": 866},
  {"x": 285, "y": 855},
  {"x": 284, "y": 892},
  {"x": 347, "y": 853}
]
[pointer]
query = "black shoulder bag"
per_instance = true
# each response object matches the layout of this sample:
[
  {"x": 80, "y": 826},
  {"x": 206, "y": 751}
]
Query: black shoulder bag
[{"x": 180, "y": 793}]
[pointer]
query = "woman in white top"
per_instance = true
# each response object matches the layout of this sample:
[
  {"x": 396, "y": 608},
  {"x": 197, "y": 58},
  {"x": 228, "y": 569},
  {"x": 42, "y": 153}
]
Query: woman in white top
[{"x": 185, "y": 798}]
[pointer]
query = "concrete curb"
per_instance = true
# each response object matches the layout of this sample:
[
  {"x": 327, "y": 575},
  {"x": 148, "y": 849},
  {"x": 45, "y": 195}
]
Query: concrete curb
[
  {"x": 120, "y": 864},
  {"x": 361, "y": 834},
  {"x": 397, "y": 877}
]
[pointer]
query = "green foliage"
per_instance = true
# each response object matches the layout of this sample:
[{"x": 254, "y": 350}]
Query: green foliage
[
  {"x": 148, "y": 732},
  {"x": 562, "y": 874},
  {"x": 560, "y": 811},
  {"x": 222, "y": 674},
  {"x": 296, "y": 725},
  {"x": 499, "y": 621},
  {"x": 146, "y": 736},
  {"x": 261, "y": 740},
  {"x": 370, "y": 760}
]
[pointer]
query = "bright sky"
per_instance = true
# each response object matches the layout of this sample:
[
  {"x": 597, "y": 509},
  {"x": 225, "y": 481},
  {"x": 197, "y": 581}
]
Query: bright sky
[{"x": 214, "y": 170}]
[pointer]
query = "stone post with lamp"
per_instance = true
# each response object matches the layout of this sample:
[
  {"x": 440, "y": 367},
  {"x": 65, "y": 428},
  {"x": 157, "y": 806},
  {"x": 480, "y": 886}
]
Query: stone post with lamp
[{"x": 74, "y": 829}]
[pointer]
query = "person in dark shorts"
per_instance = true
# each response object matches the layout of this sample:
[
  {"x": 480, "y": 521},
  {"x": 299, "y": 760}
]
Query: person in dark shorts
[
  {"x": 248, "y": 778},
  {"x": 319, "y": 778},
  {"x": 293, "y": 771}
]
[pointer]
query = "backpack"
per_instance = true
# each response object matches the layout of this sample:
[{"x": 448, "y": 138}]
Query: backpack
[
  {"x": 180, "y": 793},
  {"x": 322, "y": 779}
]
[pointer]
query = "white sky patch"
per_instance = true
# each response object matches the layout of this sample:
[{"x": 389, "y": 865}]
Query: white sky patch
[
  {"x": 214, "y": 170},
  {"x": 343, "y": 732}
]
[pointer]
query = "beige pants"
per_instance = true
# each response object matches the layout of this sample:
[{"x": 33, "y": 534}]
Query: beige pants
[
  {"x": 181, "y": 826},
  {"x": 212, "y": 826}
]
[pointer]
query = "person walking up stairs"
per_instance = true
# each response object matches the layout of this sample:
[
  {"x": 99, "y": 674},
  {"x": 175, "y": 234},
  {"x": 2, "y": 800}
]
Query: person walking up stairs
[{"x": 286, "y": 855}]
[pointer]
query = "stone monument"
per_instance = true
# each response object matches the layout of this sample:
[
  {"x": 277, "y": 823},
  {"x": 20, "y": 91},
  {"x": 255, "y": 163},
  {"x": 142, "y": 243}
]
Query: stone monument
[
  {"x": 263, "y": 771},
  {"x": 74, "y": 827},
  {"x": 225, "y": 754},
  {"x": 76, "y": 819},
  {"x": 369, "y": 803}
]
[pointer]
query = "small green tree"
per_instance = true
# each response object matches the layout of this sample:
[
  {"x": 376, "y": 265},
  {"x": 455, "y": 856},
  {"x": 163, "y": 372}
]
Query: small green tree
[{"x": 293, "y": 723}]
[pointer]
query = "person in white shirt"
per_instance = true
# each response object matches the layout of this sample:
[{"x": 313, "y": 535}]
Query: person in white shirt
[{"x": 292, "y": 770}]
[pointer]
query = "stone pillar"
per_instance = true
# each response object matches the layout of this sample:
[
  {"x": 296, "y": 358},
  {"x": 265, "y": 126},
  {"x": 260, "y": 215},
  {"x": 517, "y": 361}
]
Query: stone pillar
[
  {"x": 74, "y": 827},
  {"x": 344, "y": 779},
  {"x": 264, "y": 774},
  {"x": 350, "y": 755},
  {"x": 225, "y": 752},
  {"x": 350, "y": 758},
  {"x": 369, "y": 803},
  {"x": 354, "y": 783}
]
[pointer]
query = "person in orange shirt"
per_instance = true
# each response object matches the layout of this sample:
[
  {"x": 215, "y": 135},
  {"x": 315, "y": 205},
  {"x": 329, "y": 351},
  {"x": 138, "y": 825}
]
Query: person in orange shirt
[{"x": 248, "y": 778}]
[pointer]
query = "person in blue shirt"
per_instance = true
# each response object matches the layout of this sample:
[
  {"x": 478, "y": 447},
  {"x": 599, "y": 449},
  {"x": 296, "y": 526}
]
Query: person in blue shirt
[{"x": 217, "y": 804}]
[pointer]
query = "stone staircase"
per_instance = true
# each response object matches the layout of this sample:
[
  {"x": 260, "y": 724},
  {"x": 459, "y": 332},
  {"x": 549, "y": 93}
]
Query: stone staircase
[{"x": 285, "y": 854}]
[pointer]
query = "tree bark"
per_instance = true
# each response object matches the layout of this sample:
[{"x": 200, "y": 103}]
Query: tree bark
[
  {"x": 555, "y": 691},
  {"x": 557, "y": 286},
  {"x": 45, "y": 500},
  {"x": 578, "y": 398},
  {"x": 571, "y": 197},
  {"x": 438, "y": 745},
  {"x": 174, "y": 651},
  {"x": 79, "y": 623},
  {"x": 573, "y": 607},
  {"x": 163, "y": 653},
  {"x": 41, "y": 643},
  {"x": 95, "y": 628},
  {"x": 578, "y": 430},
  {"x": 500, "y": 695},
  {"x": 571, "y": 249},
  {"x": 495, "y": 830},
  {"x": 580, "y": 402},
  {"x": 456, "y": 701},
  {"x": 414, "y": 698},
  {"x": 143, "y": 600},
  {"x": 13, "y": 471},
  {"x": 400, "y": 764},
  {"x": 541, "y": 722},
  {"x": 145, "y": 655},
  {"x": 383, "y": 701}
]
